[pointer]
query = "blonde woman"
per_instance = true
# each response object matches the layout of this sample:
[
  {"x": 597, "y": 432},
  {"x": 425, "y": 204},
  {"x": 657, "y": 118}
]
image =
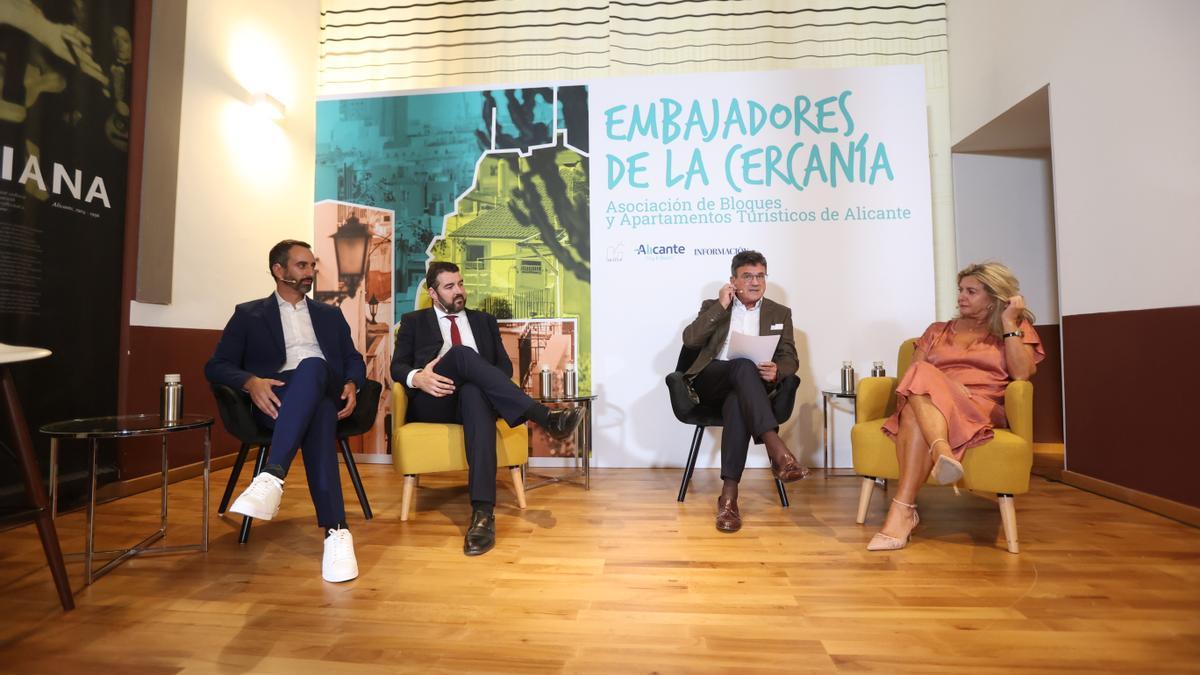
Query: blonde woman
[{"x": 952, "y": 395}]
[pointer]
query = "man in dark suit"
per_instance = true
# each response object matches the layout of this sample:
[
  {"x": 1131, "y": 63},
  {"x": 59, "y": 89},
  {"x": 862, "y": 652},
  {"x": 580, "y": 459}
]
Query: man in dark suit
[
  {"x": 296, "y": 360},
  {"x": 455, "y": 370},
  {"x": 743, "y": 389}
]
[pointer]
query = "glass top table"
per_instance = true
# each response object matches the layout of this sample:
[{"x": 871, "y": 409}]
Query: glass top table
[
  {"x": 567, "y": 399},
  {"x": 583, "y": 441},
  {"x": 124, "y": 426},
  {"x": 93, "y": 429}
]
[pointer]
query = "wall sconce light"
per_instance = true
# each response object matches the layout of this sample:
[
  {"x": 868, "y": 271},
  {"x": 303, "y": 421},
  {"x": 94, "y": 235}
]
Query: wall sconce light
[{"x": 267, "y": 105}]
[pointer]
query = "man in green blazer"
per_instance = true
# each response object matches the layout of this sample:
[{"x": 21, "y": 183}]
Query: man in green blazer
[{"x": 740, "y": 388}]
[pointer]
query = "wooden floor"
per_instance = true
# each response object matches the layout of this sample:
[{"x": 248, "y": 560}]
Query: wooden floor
[{"x": 622, "y": 579}]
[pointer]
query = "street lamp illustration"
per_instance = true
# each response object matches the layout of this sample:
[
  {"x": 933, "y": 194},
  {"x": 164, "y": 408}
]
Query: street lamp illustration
[
  {"x": 350, "y": 250},
  {"x": 373, "y": 306}
]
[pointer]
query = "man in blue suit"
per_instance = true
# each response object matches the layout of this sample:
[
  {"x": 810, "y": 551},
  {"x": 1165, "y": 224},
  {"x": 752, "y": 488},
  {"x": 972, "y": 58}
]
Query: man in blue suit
[{"x": 296, "y": 360}]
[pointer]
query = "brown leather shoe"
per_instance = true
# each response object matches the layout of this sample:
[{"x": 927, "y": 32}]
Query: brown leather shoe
[
  {"x": 728, "y": 518},
  {"x": 790, "y": 471}
]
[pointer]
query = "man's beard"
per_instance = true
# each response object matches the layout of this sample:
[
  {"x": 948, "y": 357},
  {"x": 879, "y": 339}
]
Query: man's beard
[
  {"x": 302, "y": 285},
  {"x": 455, "y": 305}
]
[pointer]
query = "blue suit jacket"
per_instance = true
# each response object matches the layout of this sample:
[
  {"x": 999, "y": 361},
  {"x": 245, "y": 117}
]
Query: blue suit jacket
[{"x": 252, "y": 345}]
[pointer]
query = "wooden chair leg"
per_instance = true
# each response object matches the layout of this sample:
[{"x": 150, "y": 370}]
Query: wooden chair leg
[
  {"x": 233, "y": 478},
  {"x": 518, "y": 485},
  {"x": 406, "y": 495},
  {"x": 693, "y": 453},
  {"x": 864, "y": 498},
  {"x": 1008, "y": 514},
  {"x": 355, "y": 479},
  {"x": 34, "y": 490},
  {"x": 263, "y": 451}
]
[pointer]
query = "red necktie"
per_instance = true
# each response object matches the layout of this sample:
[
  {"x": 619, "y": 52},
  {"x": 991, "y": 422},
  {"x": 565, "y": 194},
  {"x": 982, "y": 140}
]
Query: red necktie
[{"x": 455, "y": 336}]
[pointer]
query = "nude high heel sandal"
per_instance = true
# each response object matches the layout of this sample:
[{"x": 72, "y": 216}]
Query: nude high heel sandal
[
  {"x": 946, "y": 469},
  {"x": 886, "y": 542}
]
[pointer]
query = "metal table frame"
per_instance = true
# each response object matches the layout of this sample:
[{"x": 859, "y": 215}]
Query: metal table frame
[
  {"x": 142, "y": 548},
  {"x": 583, "y": 447},
  {"x": 827, "y": 425}
]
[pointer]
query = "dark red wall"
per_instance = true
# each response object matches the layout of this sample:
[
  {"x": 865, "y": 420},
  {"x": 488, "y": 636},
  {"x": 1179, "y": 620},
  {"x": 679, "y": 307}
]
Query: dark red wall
[{"x": 1132, "y": 401}]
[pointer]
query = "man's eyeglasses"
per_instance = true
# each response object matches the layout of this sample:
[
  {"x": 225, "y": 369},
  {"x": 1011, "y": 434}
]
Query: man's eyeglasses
[{"x": 752, "y": 277}]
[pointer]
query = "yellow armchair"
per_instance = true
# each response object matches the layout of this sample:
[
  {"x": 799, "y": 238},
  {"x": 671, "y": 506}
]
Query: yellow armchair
[
  {"x": 425, "y": 447},
  {"x": 999, "y": 466}
]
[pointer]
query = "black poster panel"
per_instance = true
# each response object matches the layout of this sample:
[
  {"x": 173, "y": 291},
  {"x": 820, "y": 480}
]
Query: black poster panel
[{"x": 64, "y": 137}]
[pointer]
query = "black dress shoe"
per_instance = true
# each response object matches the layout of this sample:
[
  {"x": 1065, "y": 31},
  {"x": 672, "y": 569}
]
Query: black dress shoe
[
  {"x": 564, "y": 422},
  {"x": 481, "y": 535}
]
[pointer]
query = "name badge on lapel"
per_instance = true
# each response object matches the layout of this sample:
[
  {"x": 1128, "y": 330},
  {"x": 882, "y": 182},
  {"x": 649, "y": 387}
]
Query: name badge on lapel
[{"x": 776, "y": 326}]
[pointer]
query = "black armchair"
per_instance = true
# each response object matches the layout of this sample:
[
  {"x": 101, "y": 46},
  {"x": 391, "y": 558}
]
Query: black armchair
[
  {"x": 359, "y": 422},
  {"x": 783, "y": 398},
  {"x": 236, "y": 411}
]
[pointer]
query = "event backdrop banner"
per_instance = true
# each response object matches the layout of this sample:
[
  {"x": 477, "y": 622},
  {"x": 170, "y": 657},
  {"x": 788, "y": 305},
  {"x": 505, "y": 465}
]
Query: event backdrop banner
[
  {"x": 824, "y": 171},
  {"x": 65, "y": 70}
]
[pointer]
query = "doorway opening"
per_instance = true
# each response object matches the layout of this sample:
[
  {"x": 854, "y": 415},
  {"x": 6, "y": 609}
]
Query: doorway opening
[{"x": 1004, "y": 211}]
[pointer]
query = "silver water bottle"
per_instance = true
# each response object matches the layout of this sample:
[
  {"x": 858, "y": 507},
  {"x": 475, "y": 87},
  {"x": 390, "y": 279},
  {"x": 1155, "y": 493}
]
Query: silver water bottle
[
  {"x": 847, "y": 377},
  {"x": 546, "y": 382},
  {"x": 570, "y": 381},
  {"x": 171, "y": 404},
  {"x": 877, "y": 369}
]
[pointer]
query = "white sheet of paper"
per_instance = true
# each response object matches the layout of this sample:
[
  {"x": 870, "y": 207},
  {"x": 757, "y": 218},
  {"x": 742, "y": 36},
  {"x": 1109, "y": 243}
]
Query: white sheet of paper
[{"x": 757, "y": 348}]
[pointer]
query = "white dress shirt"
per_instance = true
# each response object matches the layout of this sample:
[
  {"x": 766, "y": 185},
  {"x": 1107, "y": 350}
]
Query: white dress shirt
[
  {"x": 744, "y": 321},
  {"x": 464, "y": 332},
  {"x": 299, "y": 338}
]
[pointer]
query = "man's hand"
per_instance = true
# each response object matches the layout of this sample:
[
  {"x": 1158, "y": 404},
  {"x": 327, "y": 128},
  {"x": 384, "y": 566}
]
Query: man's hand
[
  {"x": 350, "y": 396},
  {"x": 431, "y": 383},
  {"x": 768, "y": 371},
  {"x": 725, "y": 295},
  {"x": 260, "y": 392}
]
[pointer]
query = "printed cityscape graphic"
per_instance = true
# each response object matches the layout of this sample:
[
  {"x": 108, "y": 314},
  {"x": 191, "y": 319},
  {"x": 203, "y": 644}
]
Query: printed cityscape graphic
[{"x": 495, "y": 181}]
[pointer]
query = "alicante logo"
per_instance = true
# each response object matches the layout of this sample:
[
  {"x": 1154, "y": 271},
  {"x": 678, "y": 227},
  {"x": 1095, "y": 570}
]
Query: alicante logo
[{"x": 660, "y": 250}]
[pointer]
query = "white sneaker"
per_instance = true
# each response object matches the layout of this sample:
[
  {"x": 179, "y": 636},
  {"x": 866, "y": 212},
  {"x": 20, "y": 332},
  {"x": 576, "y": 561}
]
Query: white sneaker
[
  {"x": 261, "y": 499},
  {"x": 339, "y": 563}
]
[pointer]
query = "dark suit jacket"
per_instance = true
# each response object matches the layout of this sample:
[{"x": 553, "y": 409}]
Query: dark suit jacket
[
  {"x": 420, "y": 339},
  {"x": 707, "y": 333},
  {"x": 252, "y": 345}
]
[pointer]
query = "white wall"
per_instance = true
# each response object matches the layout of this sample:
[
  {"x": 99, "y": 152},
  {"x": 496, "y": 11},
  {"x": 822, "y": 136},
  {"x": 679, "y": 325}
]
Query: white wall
[
  {"x": 1124, "y": 103},
  {"x": 244, "y": 181},
  {"x": 1004, "y": 211}
]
